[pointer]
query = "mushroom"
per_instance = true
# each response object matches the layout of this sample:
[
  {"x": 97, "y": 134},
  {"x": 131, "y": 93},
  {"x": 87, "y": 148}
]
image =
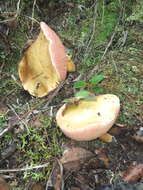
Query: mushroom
[
  {"x": 88, "y": 119},
  {"x": 44, "y": 63}
]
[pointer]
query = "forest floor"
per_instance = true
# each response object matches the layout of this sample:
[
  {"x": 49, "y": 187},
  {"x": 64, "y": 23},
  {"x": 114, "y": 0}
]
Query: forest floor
[{"x": 102, "y": 37}]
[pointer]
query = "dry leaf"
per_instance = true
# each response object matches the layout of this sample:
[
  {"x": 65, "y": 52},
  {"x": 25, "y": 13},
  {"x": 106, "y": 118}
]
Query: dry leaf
[
  {"x": 56, "y": 177},
  {"x": 138, "y": 138},
  {"x": 74, "y": 188},
  {"x": 37, "y": 186},
  {"x": 4, "y": 185},
  {"x": 101, "y": 154},
  {"x": 139, "y": 135},
  {"x": 36, "y": 121},
  {"x": 134, "y": 173},
  {"x": 73, "y": 157},
  {"x": 3, "y": 109},
  {"x": 9, "y": 151},
  {"x": 116, "y": 130},
  {"x": 83, "y": 182},
  {"x": 95, "y": 163}
]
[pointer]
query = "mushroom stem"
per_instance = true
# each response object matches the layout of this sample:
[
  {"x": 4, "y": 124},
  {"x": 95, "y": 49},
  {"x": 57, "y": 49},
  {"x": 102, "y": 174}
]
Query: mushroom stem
[{"x": 106, "y": 138}]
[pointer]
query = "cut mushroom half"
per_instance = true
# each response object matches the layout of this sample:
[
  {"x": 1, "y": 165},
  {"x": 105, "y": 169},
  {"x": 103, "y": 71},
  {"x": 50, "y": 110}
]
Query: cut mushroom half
[
  {"x": 44, "y": 63},
  {"x": 88, "y": 119}
]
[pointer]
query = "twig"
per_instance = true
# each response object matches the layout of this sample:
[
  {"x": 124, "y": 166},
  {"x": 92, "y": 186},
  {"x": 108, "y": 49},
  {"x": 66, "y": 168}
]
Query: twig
[
  {"x": 34, "y": 3},
  {"x": 112, "y": 37},
  {"x": 15, "y": 16},
  {"x": 33, "y": 19},
  {"x": 4, "y": 14},
  {"x": 5, "y": 74},
  {"x": 49, "y": 98},
  {"x": 7, "y": 20},
  {"x": 24, "y": 169},
  {"x": 17, "y": 10},
  {"x": 58, "y": 169},
  {"x": 16, "y": 81},
  {"x": 7, "y": 176},
  {"x": 93, "y": 31},
  {"x": 109, "y": 44},
  {"x": 125, "y": 33},
  {"x": 6, "y": 41},
  {"x": 22, "y": 122}
]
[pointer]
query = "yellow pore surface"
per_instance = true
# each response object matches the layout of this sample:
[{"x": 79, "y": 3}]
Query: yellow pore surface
[
  {"x": 41, "y": 76},
  {"x": 99, "y": 112}
]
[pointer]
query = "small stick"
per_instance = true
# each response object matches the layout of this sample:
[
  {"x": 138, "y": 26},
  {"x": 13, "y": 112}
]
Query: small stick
[
  {"x": 34, "y": 20},
  {"x": 33, "y": 9},
  {"x": 93, "y": 31},
  {"x": 109, "y": 44},
  {"x": 15, "y": 16},
  {"x": 24, "y": 169},
  {"x": 7, "y": 176}
]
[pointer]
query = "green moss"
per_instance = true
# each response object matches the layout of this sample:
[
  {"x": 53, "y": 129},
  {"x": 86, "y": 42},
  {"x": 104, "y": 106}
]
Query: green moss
[
  {"x": 137, "y": 13},
  {"x": 107, "y": 20},
  {"x": 39, "y": 145}
]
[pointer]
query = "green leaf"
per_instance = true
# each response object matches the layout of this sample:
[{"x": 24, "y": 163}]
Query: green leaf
[
  {"x": 79, "y": 84},
  {"x": 98, "y": 90},
  {"x": 95, "y": 80},
  {"x": 70, "y": 100},
  {"x": 66, "y": 100},
  {"x": 82, "y": 94}
]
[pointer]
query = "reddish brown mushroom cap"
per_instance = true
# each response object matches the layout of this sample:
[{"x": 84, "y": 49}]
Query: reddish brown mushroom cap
[
  {"x": 88, "y": 120},
  {"x": 56, "y": 49},
  {"x": 44, "y": 64}
]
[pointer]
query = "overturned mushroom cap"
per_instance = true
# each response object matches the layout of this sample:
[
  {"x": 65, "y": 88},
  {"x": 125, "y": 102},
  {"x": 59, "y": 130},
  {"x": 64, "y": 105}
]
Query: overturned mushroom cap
[
  {"x": 88, "y": 119},
  {"x": 44, "y": 64}
]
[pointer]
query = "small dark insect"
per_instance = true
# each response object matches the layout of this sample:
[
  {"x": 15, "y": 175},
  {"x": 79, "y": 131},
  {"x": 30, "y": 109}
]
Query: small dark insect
[
  {"x": 99, "y": 113},
  {"x": 37, "y": 85}
]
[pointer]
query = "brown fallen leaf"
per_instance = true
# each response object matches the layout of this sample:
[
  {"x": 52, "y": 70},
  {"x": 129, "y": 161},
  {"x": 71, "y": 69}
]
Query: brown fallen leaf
[
  {"x": 95, "y": 164},
  {"x": 102, "y": 155},
  {"x": 55, "y": 179},
  {"x": 73, "y": 157},
  {"x": 9, "y": 151},
  {"x": 3, "y": 109},
  {"x": 4, "y": 185},
  {"x": 36, "y": 121},
  {"x": 74, "y": 188},
  {"x": 82, "y": 182},
  {"x": 36, "y": 186},
  {"x": 139, "y": 135},
  {"x": 117, "y": 130},
  {"x": 133, "y": 173}
]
